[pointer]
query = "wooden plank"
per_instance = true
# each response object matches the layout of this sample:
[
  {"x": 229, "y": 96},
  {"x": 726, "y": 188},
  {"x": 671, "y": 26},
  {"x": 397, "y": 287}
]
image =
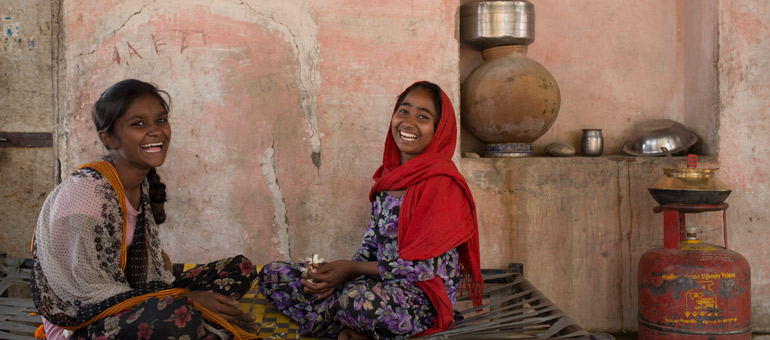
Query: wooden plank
[
  {"x": 13, "y": 266},
  {"x": 15, "y": 321},
  {"x": 9, "y": 336},
  {"x": 17, "y": 302},
  {"x": 26, "y": 139},
  {"x": 11, "y": 326},
  {"x": 25, "y": 318},
  {"x": 15, "y": 311}
]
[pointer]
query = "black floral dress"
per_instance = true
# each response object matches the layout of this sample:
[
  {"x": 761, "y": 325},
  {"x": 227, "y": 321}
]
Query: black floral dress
[{"x": 175, "y": 318}]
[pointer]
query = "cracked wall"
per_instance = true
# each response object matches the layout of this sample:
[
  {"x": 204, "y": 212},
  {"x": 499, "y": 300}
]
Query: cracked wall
[
  {"x": 241, "y": 82},
  {"x": 267, "y": 162},
  {"x": 264, "y": 160},
  {"x": 280, "y": 109}
]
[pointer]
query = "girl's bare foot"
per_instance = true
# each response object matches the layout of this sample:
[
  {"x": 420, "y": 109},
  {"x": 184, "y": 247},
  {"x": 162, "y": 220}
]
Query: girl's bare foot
[{"x": 349, "y": 334}]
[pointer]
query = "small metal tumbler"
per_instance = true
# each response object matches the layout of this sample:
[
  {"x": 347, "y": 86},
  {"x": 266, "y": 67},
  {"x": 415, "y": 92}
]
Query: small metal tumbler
[{"x": 592, "y": 144}]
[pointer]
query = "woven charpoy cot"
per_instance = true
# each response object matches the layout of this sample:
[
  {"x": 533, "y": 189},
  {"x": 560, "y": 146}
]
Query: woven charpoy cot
[{"x": 513, "y": 309}]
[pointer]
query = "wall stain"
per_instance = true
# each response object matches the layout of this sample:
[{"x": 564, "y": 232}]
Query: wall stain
[
  {"x": 316, "y": 157},
  {"x": 630, "y": 229},
  {"x": 509, "y": 211},
  {"x": 620, "y": 247}
]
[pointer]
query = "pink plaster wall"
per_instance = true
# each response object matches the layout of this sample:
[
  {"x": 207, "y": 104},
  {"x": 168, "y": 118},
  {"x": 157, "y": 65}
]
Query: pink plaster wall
[
  {"x": 744, "y": 126},
  {"x": 369, "y": 52},
  {"x": 235, "y": 95},
  {"x": 701, "y": 83},
  {"x": 280, "y": 110}
]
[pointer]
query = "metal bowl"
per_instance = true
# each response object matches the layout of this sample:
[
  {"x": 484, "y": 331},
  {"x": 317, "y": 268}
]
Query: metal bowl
[
  {"x": 648, "y": 137},
  {"x": 485, "y": 24}
]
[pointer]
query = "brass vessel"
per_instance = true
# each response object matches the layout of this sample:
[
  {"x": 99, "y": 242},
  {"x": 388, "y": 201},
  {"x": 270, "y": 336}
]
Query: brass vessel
[{"x": 689, "y": 186}]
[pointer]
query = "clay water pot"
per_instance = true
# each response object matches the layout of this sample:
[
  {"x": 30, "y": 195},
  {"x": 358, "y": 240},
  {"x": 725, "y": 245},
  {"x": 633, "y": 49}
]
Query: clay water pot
[{"x": 509, "y": 98}]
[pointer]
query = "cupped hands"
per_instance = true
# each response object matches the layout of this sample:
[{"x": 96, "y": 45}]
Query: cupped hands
[{"x": 322, "y": 279}]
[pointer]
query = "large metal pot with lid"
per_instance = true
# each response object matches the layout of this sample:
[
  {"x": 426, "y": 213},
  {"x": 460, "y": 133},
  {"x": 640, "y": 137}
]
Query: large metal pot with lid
[{"x": 689, "y": 186}]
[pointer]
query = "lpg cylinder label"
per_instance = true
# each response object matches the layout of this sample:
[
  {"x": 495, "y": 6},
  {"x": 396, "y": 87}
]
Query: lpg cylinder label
[
  {"x": 700, "y": 276},
  {"x": 705, "y": 322},
  {"x": 701, "y": 303}
]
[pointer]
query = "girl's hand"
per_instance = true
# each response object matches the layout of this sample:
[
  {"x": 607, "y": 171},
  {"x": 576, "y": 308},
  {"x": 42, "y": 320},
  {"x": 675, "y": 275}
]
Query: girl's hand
[
  {"x": 322, "y": 289},
  {"x": 326, "y": 276},
  {"x": 322, "y": 279},
  {"x": 333, "y": 273},
  {"x": 219, "y": 304}
]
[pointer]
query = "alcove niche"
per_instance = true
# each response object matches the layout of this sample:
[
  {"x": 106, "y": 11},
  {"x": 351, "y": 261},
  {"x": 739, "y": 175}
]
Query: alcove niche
[{"x": 619, "y": 64}]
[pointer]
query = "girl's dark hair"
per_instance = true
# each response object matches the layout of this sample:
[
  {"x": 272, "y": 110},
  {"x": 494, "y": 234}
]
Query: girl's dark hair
[
  {"x": 112, "y": 104},
  {"x": 157, "y": 196},
  {"x": 433, "y": 88}
]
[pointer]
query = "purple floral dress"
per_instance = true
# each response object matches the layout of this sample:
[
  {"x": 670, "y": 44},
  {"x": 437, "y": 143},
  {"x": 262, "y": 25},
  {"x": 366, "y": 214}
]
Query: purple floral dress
[{"x": 390, "y": 306}]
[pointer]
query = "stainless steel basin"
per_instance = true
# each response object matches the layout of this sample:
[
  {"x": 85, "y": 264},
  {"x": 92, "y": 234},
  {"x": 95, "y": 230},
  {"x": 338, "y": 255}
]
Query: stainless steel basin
[{"x": 485, "y": 24}]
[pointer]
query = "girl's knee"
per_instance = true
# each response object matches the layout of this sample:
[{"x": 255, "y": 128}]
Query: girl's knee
[
  {"x": 278, "y": 272},
  {"x": 245, "y": 265},
  {"x": 359, "y": 298},
  {"x": 279, "y": 283}
]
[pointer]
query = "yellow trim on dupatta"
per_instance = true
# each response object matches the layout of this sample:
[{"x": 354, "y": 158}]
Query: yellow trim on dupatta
[
  {"x": 111, "y": 174},
  {"x": 129, "y": 304}
]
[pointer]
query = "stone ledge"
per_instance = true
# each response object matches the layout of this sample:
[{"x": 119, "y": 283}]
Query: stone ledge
[{"x": 681, "y": 160}]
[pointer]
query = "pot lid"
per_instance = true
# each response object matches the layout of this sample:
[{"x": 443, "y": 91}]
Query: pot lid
[{"x": 690, "y": 140}]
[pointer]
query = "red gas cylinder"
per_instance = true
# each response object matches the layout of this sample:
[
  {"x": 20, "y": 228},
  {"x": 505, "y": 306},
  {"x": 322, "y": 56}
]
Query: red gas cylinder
[{"x": 693, "y": 290}]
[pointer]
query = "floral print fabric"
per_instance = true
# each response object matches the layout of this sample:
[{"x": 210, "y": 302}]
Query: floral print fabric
[
  {"x": 76, "y": 251},
  {"x": 387, "y": 307},
  {"x": 175, "y": 318}
]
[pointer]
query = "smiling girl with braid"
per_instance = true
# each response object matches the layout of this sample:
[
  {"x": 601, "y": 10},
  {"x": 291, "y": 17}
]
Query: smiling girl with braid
[
  {"x": 421, "y": 243},
  {"x": 99, "y": 270}
]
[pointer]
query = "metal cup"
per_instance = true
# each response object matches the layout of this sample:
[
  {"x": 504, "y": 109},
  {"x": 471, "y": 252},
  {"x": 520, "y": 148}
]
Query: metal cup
[{"x": 592, "y": 144}]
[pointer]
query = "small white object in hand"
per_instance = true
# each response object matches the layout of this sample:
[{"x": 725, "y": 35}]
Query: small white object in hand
[
  {"x": 314, "y": 260},
  {"x": 311, "y": 261}
]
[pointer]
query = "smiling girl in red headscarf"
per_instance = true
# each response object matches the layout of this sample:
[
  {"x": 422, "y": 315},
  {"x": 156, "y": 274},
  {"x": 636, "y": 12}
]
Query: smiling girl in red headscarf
[{"x": 422, "y": 240}]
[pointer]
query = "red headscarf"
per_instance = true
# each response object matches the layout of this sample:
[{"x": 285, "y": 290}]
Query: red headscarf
[{"x": 437, "y": 214}]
